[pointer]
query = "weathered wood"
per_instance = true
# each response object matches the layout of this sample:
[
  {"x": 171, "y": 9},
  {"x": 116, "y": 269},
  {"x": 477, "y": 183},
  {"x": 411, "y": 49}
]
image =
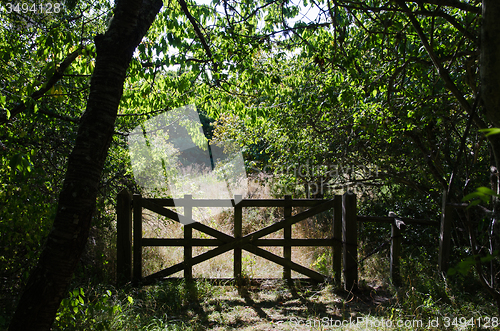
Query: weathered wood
[
  {"x": 445, "y": 235},
  {"x": 397, "y": 221},
  {"x": 177, "y": 217},
  {"x": 194, "y": 261},
  {"x": 238, "y": 219},
  {"x": 124, "y": 237},
  {"x": 337, "y": 238},
  {"x": 188, "y": 235},
  {"x": 137, "y": 268},
  {"x": 396, "y": 239},
  {"x": 350, "y": 242},
  {"x": 327, "y": 204},
  {"x": 281, "y": 261},
  {"x": 244, "y": 202},
  {"x": 244, "y": 242},
  {"x": 224, "y": 248},
  {"x": 272, "y": 242},
  {"x": 287, "y": 235},
  {"x": 406, "y": 220}
]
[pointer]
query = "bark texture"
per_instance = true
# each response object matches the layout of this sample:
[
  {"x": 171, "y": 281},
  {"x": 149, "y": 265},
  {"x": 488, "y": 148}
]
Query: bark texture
[
  {"x": 490, "y": 69},
  {"x": 48, "y": 282},
  {"x": 490, "y": 60}
]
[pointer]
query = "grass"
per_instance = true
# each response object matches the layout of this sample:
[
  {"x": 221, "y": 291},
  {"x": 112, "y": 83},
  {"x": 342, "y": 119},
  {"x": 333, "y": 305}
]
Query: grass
[
  {"x": 267, "y": 305},
  {"x": 425, "y": 301}
]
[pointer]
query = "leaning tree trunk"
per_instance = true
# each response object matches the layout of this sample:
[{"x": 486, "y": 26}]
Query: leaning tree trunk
[
  {"x": 490, "y": 97},
  {"x": 490, "y": 61},
  {"x": 490, "y": 87},
  {"x": 49, "y": 281},
  {"x": 490, "y": 68}
]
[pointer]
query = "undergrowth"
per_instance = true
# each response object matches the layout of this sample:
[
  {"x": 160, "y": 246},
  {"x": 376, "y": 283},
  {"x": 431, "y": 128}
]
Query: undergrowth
[
  {"x": 454, "y": 303},
  {"x": 424, "y": 301}
]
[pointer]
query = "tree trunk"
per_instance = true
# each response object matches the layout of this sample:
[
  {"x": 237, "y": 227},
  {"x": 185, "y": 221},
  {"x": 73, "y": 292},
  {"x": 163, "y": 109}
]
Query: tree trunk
[
  {"x": 490, "y": 69},
  {"x": 490, "y": 62},
  {"x": 48, "y": 282},
  {"x": 490, "y": 97}
]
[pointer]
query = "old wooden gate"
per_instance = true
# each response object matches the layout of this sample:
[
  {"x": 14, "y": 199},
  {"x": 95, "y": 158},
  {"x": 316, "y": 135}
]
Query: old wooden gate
[{"x": 129, "y": 247}]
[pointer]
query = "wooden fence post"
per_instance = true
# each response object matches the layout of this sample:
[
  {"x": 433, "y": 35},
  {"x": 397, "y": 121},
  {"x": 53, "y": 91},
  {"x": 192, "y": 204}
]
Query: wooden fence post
[
  {"x": 287, "y": 235},
  {"x": 337, "y": 238},
  {"x": 396, "y": 226},
  {"x": 444, "y": 236},
  {"x": 350, "y": 241},
  {"x": 123, "y": 237},
  {"x": 137, "y": 268},
  {"x": 238, "y": 220},
  {"x": 188, "y": 235}
]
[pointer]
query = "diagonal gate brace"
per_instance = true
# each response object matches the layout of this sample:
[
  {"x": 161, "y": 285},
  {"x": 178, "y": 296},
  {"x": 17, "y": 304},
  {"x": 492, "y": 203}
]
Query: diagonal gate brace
[{"x": 245, "y": 242}]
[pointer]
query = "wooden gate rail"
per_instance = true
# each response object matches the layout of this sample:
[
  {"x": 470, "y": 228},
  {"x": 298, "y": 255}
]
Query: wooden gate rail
[
  {"x": 223, "y": 242},
  {"x": 398, "y": 224},
  {"x": 232, "y": 242},
  {"x": 344, "y": 241}
]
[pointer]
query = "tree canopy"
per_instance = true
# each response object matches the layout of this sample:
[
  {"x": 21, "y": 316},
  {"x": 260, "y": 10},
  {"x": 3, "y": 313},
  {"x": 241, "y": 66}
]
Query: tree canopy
[{"x": 356, "y": 94}]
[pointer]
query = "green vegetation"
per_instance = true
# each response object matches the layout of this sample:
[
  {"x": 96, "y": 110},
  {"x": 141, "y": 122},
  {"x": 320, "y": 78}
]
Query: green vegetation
[
  {"x": 177, "y": 305},
  {"x": 390, "y": 99}
]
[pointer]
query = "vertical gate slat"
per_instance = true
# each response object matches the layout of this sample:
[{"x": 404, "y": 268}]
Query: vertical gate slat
[
  {"x": 337, "y": 238},
  {"x": 188, "y": 235},
  {"x": 396, "y": 238},
  {"x": 350, "y": 241},
  {"x": 287, "y": 235},
  {"x": 238, "y": 220},
  {"x": 137, "y": 269},
  {"x": 123, "y": 237}
]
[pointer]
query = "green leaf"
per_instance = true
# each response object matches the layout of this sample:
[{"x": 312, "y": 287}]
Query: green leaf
[
  {"x": 489, "y": 257},
  {"x": 490, "y": 131},
  {"x": 483, "y": 193},
  {"x": 485, "y": 190}
]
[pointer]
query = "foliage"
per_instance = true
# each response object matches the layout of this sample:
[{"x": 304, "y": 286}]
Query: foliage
[
  {"x": 101, "y": 308},
  {"x": 346, "y": 99}
]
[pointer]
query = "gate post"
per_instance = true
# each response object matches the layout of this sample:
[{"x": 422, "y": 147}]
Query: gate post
[
  {"x": 238, "y": 215},
  {"x": 396, "y": 226},
  {"x": 287, "y": 235},
  {"x": 350, "y": 241},
  {"x": 188, "y": 235},
  {"x": 444, "y": 236},
  {"x": 137, "y": 269},
  {"x": 123, "y": 237},
  {"x": 337, "y": 238}
]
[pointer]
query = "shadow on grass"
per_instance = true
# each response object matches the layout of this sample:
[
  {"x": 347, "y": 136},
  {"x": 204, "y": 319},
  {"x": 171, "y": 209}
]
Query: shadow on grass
[{"x": 218, "y": 304}]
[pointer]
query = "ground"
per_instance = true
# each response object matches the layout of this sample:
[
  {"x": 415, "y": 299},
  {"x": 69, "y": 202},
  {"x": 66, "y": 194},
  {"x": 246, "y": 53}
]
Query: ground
[{"x": 271, "y": 304}]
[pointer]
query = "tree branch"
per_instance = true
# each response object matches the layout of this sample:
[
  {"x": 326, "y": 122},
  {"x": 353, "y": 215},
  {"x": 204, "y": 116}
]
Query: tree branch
[
  {"x": 428, "y": 159},
  {"x": 451, "y": 3},
  {"x": 196, "y": 28},
  {"x": 443, "y": 73},
  {"x": 361, "y": 5},
  {"x": 59, "y": 116},
  {"x": 58, "y": 75}
]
